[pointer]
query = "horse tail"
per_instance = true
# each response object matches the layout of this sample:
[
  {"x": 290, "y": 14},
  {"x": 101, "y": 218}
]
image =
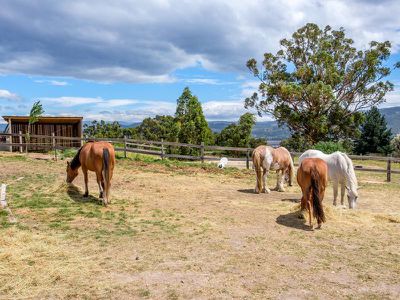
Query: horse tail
[
  {"x": 106, "y": 174},
  {"x": 291, "y": 171},
  {"x": 316, "y": 200},
  {"x": 257, "y": 166}
]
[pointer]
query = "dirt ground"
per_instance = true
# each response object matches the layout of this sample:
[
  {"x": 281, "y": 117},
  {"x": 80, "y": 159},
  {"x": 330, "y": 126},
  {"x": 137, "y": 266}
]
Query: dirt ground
[{"x": 179, "y": 232}]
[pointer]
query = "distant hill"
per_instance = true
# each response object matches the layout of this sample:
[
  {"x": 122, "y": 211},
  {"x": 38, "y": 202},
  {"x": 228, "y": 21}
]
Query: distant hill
[
  {"x": 267, "y": 129},
  {"x": 392, "y": 116}
]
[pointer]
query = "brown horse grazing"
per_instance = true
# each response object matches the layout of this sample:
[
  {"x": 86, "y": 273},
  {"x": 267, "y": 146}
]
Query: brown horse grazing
[
  {"x": 279, "y": 160},
  {"x": 98, "y": 157},
  {"x": 312, "y": 176}
]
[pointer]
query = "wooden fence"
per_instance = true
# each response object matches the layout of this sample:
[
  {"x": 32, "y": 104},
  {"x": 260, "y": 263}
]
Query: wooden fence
[{"x": 159, "y": 148}]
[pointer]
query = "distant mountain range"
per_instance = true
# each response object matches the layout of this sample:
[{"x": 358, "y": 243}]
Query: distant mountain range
[{"x": 270, "y": 129}]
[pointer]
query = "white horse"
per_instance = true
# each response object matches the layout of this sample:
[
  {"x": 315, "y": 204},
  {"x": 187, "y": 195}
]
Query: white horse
[{"x": 340, "y": 170}]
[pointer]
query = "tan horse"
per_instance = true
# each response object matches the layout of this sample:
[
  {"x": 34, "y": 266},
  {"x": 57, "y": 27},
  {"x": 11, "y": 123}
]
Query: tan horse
[
  {"x": 266, "y": 158},
  {"x": 98, "y": 157},
  {"x": 312, "y": 176}
]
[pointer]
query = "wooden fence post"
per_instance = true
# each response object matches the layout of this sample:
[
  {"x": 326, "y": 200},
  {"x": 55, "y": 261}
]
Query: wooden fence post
[
  {"x": 125, "y": 146},
  {"x": 20, "y": 142},
  {"x": 389, "y": 170},
  {"x": 248, "y": 159},
  {"x": 53, "y": 142},
  {"x": 202, "y": 152},
  {"x": 162, "y": 149}
]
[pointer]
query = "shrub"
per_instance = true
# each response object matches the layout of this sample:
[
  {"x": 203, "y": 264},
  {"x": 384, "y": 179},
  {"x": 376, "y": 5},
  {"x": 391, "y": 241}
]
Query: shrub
[
  {"x": 395, "y": 143},
  {"x": 330, "y": 147}
]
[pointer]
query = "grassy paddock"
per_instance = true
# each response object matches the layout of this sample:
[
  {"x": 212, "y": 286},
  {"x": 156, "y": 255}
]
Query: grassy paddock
[{"x": 185, "y": 230}]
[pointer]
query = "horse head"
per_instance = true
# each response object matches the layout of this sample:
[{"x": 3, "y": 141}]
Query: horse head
[
  {"x": 352, "y": 196},
  {"x": 71, "y": 173}
]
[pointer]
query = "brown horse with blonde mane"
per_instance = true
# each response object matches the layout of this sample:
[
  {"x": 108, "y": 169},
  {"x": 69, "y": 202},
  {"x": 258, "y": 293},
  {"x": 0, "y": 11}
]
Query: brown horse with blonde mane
[
  {"x": 98, "y": 157},
  {"x": 312, "y": 176},
  {"x": 266, "y": 158}
]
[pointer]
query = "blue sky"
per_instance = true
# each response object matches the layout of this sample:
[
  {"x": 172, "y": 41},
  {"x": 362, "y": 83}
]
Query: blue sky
[{"x": 127, "y": 60}]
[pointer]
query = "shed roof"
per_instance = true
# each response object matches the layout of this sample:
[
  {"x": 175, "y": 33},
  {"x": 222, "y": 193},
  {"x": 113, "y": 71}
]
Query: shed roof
[{"x": 48, "y": 120}]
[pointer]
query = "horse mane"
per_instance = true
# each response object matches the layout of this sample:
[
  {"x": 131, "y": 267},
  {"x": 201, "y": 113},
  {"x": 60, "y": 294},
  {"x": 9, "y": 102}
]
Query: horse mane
[
  {"x": 350, "y": 171},
  {"x": 75, "y": 162}
]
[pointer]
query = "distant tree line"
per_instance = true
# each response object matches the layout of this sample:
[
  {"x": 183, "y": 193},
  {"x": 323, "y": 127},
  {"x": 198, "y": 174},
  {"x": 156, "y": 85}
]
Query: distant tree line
[{"x": 188, "y": 125}]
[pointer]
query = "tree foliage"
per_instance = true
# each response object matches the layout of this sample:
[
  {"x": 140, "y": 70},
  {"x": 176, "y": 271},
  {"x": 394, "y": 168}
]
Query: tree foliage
[
  {"x": 36, "y": 112},
  {"x": 318, "y": 83},
  {"x": 103, "y": 129},
  {"x": 237, "y": 135},
  {"x": 375, "y": 136},
  {"x": 154, "y": 129},
  {"x": 34, "y": 115},
  {"x": 193, "y": 127},
  {"x": 395, "y": 143}
]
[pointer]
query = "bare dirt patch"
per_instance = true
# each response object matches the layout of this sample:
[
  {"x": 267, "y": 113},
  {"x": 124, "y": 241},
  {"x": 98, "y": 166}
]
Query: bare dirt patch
[{"x": 175, "y": 231}]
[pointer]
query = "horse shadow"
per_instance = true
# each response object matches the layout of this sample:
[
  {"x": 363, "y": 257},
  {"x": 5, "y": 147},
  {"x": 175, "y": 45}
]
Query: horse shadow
[
  {"x": 246, "y": 191},
  {"x": 294, "y": 200},
  {"x": 293, "y": 220},
  {"x": 75, "y": 195}
]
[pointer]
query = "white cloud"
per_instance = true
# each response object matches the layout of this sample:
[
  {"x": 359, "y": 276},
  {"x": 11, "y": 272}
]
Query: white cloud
[
  {"x": 227, "y": 110},
  {"x": 52, "y": 82},
  {"x": 392, "y": 99},
  {"x": 249, "y": 87},
  {"x": 146, "y": 41},
  {"x": 208, "y": 81},
  {"x": 71, "y": 101},
  {"x": 7, "y": 95}
]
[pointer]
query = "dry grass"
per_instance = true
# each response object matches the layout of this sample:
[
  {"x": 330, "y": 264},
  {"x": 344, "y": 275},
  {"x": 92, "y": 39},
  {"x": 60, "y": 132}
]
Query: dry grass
[{"x": 181, "y": 231}]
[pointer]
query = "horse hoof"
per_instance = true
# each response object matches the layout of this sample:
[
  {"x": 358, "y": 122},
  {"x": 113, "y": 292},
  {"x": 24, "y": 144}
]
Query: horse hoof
[
  {"x": 85, "y": 195},
  {"x": 267, "y": 191}
]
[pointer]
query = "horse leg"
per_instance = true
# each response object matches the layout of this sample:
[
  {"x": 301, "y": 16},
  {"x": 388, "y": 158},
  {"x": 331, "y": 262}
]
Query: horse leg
[
  {"x": 85, "y": 176},
  {"x": 100, "y": 183},
  {"x": 265, "y": 188},
  {"x": 343, "y": 187},
  {"x": 321, "y": 197},
  {"x": 280, "y": 180},
  {"x": 257, "y": 189},
  {"x": 335, "y": 192},
  {"x": 310, "y": 212}
]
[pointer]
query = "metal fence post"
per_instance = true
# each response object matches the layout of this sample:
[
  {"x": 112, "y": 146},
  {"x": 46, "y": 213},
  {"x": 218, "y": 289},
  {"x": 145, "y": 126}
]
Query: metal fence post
[
  {"x": 389, "y": 170},
  {"x": 125, "y": 146},
  {"x": 20, "y": 142},
  {"x": 202, "y": 152},
  {"x": 162, "y": 148}
]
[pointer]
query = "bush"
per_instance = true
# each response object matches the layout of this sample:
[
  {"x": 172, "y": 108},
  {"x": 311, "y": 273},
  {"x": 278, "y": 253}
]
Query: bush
[
  {"x": 330, "y": 147},
  {"x": 395, "y": 143},
  {"x": 295, "y": 143}
]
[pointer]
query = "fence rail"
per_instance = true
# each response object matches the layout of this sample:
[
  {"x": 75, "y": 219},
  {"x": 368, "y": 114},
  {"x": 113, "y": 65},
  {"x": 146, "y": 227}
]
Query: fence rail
[{"x": 158, "y": 148}]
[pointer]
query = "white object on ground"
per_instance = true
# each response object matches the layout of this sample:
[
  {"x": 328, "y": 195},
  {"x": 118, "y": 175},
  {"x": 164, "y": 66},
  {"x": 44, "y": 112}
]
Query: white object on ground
[{"x": 222, "y": 163}]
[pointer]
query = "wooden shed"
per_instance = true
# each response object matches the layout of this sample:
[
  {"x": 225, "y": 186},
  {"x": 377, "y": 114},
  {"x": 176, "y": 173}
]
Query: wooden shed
[{"x": 46, "y": 126}]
